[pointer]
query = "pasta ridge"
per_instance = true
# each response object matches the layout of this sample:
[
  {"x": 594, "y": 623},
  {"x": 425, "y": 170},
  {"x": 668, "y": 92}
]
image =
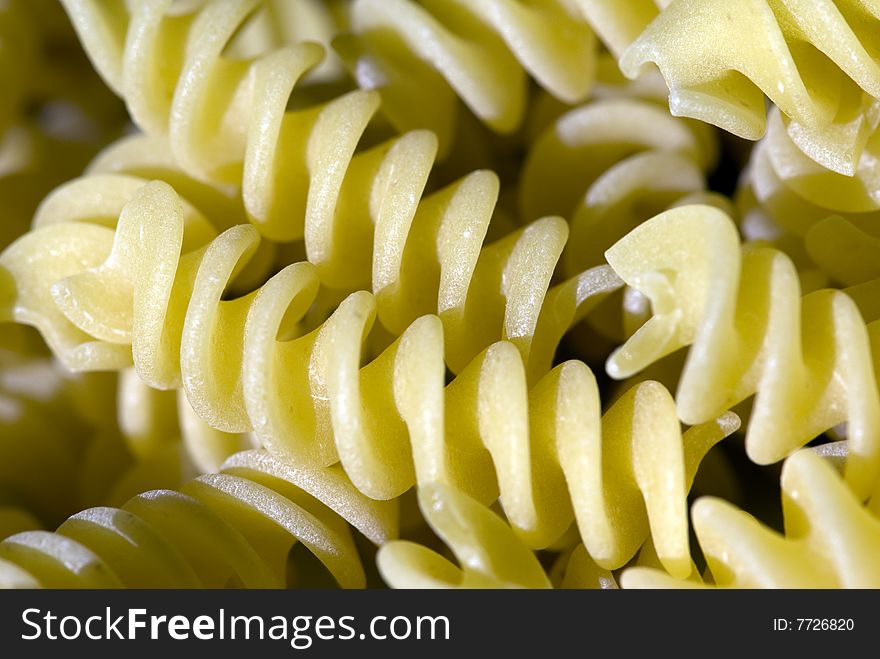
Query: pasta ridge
[
  {"x": 363, "y": 217},
  {"x": 490, "y": 554},
  {"x": 808, "y": 360},
  {"x": 490, "y": 435}
]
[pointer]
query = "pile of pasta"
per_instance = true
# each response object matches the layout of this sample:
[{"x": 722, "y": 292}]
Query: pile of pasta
[{"x": 439, "y": 293}]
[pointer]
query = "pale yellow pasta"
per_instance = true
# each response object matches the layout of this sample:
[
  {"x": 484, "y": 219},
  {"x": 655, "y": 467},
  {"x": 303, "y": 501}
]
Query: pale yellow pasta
[
  {"x": 299, "y": 397},
  {"x": 62, "y": 272},
  {"x": 487, "y": 434},
  {"x": 579, "y": 571},
  {"x": 835, "y": 214},
  {"x": 812, "y": 58},
  {"x": 233, "y": 528},
  {"x": 609, "y": 165},
  {"x": 361, "y": 215},
  {"x": 830, "y": 540},
  {"x": 422, "y": 57},
  {"x": 128, "y": 164},
  {"x": 277, "y": 23},
  {"x": 619, "y": 22},
  {"x": 306, "y": 288},
  {"x": 807, "y": 360},
  {"x": 490, "y": 553}
]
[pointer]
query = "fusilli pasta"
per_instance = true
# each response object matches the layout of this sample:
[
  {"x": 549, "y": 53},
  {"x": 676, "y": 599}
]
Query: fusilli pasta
[{"x": 808, "y": 360}]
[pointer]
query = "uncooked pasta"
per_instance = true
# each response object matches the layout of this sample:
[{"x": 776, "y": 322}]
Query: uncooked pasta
[{"x": 439, "y": 294}]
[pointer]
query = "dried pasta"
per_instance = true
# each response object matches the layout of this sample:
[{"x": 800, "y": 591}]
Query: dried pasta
[
  {"x": 232, "y": 528},
  {"x": 610, "y": 165},
  {"x": 814, "y": 59},
  {"x": 832, "y": 214},
  {"x": 308, "y": 282},
  {"x": 423, "y": 56},
  {"x": 809, "y": 361},
  {"x": 618, "y": 498},
  {"x": 830, "y": 540},
  {"x": 172, "y": 316},
  {"x": 59, "y": 273}
]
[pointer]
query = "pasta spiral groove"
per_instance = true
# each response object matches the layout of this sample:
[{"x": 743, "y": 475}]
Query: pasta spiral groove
[
  {"x": 490, "y": 436},
  {"x": 808, "y": 360},
  {"x": 301, "y": 178}
]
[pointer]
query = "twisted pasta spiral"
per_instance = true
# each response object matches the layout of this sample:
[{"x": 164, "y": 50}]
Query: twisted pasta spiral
[
  {"x": 351, "y": 200},
  {"x": 815, "y": 59},
  {"x": 235, "y": 527},
  {"x": 833, "y": 214},
  {"x": 499, "y": 292},
  {"x": 808, "y": 360},
  {"x": 308, "y": 401},
  {"x": 487, "y": 434},
  {"x": 830, "y": 541},
  {"x": 491, "y": 555},
  {"x": 609, "y": 165},
  {"x": 423, "y": 56}
]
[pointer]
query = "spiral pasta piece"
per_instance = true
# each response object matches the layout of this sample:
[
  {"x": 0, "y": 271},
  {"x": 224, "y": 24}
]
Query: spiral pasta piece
[
  {"x": 235, "y": 527},
  {"x": 482, "y": 295},
  {"x": 807, "y": 360},
  {"x": 351, "y": 200},
  {"x": 490, "y": 553},
  {"x": 833, "y": 214},
  {"x": 299, "y": 397},
  {"x": 609, "y": 165},
  {"x": 830, "y": 540},
  {"x": 422, "y": 57},
  {"x": 535, "y": 448},
  {"x": 813, "y": 59}
]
